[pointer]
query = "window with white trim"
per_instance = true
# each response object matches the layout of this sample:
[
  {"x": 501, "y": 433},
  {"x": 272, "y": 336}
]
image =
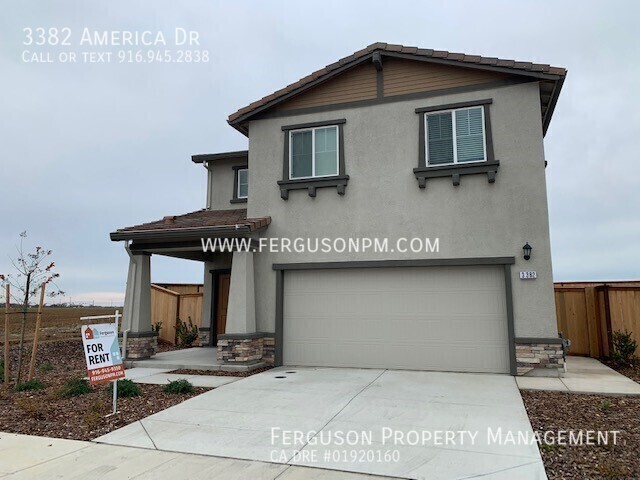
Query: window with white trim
[
  {"x": 455, "y": 136},
  {"x": 313, "y": 152},
  {"x": 243, "y": 183}
]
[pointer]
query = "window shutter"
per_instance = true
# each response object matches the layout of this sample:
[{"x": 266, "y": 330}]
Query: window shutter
[
  {"x": 470, "y": 135},
  {"x": 439, "y": 138}
]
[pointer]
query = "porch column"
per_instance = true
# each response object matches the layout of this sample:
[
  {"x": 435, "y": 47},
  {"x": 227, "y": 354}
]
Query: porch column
[
  {"x": 141, "y": 340},
  {"x": 241, "y": 310}
]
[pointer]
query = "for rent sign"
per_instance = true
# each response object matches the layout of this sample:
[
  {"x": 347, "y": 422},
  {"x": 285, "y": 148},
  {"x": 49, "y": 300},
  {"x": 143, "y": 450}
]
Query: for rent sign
[{"x": 102, "y": 352}]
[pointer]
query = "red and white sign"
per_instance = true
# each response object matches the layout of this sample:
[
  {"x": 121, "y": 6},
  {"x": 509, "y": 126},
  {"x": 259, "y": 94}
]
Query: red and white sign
[{"x": 102, "y": 352}]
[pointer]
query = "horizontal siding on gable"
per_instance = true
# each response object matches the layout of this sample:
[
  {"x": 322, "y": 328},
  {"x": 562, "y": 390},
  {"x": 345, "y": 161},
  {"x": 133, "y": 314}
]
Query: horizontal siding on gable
[
  {"x": 356, "y": 84},
  {"x": 410, "y": 76}
]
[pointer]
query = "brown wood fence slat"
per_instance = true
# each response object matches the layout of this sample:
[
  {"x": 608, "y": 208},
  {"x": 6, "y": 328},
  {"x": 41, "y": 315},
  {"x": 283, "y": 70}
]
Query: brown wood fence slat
[
  {"x": 168, "y": 305},
  {"x": 588, "y": 312}
]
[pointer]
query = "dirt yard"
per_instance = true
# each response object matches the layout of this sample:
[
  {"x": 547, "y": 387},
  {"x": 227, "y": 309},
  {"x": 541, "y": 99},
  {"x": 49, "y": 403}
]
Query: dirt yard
[
  {"x": 58, "y": 323},
  {"x": 46, "y": 412},
  {"x": 567, "y": 411}
]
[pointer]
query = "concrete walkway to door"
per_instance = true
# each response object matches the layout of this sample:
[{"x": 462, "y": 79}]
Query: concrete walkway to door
[{"x": 251, "y": 419}]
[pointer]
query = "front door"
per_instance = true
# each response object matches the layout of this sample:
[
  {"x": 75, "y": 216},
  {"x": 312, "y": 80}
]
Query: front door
[{"x": 222, "y": 299}]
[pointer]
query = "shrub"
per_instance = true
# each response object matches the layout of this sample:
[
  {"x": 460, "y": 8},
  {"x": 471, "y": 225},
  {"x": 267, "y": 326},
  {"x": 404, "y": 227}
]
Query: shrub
[
  {"x": 126, "y": 389},
  {"x": 187, "y": 334},
  {"x": 624, "y": 347},
  {"x": 34, "y": 384},
  {"x": 604, "y": 405},
  {"x": 94, "y": 414},
  {"x": 179, "y": 386},
  {"x": 156, "y": 326},
  {"x": 46, "y": 367},
  {"x": 32, "y": 407},
  {"x": 75, "y": 387}
]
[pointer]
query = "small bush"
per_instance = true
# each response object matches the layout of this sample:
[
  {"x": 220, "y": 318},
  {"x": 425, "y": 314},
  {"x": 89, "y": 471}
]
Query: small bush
[
  {"x": 624, "y": 347},
  {"x": 46, "y": 367},
  {"x": 94, "y": 414},
  {"x": 179, "y": 386},
  {"x": 156, "y": 326},
  {"x": 34, "y": 384},
  {"x": 187, "y": 334},
  {"x": 604, "y": 405},
  {"x": 126, "y": 389},
  {"x": 33, "y": 408},
  {"x": 75, "y": 387}
]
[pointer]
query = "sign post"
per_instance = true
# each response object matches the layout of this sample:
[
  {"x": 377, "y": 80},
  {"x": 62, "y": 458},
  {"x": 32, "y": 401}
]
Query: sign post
[{"x": 102, "y": 353}]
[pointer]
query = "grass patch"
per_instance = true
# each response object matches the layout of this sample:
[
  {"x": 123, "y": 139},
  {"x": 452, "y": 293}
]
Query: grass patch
[
  {"x": 34, "y": 384},
  {"x": 179, "y": 386},
  {"x": 75, "y": 387},
  {"x": 126, "y": 389}
]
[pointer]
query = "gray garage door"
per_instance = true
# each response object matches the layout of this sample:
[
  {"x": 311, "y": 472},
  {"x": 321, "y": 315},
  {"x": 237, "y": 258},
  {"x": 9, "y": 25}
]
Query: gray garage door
[{"x": 432, "y": 318}]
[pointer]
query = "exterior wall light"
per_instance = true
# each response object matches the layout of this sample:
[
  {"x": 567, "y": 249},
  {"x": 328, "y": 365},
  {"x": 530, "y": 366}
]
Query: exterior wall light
[{"x": 527, "y": 251}]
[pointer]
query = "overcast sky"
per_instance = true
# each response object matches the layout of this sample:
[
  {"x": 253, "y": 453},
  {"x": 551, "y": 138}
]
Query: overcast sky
[{"x": 88, "y": 148}]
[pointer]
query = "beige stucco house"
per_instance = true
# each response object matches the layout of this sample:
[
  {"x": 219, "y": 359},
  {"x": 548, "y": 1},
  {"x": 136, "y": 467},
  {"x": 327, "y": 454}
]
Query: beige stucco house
[{"x": 441, "y": 156}]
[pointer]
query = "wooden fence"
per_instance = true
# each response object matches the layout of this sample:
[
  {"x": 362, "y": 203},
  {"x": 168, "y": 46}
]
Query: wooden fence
[
  {"x": 172, "y": 301},
  {"x": 589, "y": 312}
]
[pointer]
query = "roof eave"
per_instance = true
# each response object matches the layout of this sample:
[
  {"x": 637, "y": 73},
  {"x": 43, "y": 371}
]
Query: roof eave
[
  {"x": 546, "y": 121},
  {"x": 237, "y": 230}
]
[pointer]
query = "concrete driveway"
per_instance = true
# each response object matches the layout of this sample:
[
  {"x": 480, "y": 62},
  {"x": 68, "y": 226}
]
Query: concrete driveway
[{"x": 402, "y": 424}]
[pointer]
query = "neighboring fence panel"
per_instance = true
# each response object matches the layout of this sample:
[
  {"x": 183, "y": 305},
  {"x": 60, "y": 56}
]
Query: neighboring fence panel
[
  {"x": 164, "y": 307},
  {"x": 168, "y": 305},
  {"x": 182, "y": 287},
  {"x": 191, "y": 307},
  {"x": 588, "y": 312},
  {"x": 625, "y": 310}
]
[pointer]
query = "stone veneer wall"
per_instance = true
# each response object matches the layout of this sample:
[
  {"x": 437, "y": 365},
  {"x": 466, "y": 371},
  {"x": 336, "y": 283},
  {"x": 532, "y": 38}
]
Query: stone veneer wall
[
  {"x": 204, "y": 337},
  {"x": 140, "y": 346},
  {"x": 538, "y": 356},
  {"x": 246, "y": 348}
]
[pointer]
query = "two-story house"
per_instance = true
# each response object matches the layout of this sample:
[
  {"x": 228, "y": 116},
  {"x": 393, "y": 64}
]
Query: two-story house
[{"x": 439, "y": 156}]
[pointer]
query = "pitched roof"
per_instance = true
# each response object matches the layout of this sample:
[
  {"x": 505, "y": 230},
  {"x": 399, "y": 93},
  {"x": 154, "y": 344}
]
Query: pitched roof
[
  {"x": 537, "y": 70},
  {"x": 194, "y": 223}
]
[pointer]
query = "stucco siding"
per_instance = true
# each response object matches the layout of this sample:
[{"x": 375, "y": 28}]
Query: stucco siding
[
  {"x": 220, "y": 184},
  {"x": 382, "y": 199}
]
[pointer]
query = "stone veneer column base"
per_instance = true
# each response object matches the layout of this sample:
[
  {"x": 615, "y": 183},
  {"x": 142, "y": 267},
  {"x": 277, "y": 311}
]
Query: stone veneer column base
[
  {"x": 204, "y": 337},
  {"x": 246, "y": 348},
  {"x": 539, "y": 357},
  {"x": 140, "y": 345}
]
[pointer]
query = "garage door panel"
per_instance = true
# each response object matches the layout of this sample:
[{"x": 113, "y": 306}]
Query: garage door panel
[{"x": 433, "y": 318}]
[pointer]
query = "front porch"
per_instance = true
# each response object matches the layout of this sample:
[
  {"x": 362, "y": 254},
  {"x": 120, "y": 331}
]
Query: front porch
[
  {"x": 197, "y": 358},
  {"x": 228, "y": 303}
]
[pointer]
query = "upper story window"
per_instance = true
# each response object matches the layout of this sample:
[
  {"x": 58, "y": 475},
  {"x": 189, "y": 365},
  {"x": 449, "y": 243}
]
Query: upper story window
[
  {"x": 240, "y": 184},
  {"x": 243, "y": 183},
  {"x": 455, "y": 140},
  {"x": 313, "y": 152},
  {"x": 455, "y": 136},
  {"x": 313, "y": 157}
]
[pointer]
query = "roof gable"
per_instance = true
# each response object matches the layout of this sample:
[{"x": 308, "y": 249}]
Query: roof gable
[{"x": 396, "y": 70}]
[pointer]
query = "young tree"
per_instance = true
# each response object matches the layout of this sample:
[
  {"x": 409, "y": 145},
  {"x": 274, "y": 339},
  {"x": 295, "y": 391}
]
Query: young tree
[{"x": 32, "y": 271}]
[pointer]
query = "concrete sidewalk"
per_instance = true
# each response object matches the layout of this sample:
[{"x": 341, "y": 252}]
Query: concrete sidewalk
[
  {"x": 584, "y": 375},
  {"x": 159, "y": 376},
  {"x": 29, "y": 457}
]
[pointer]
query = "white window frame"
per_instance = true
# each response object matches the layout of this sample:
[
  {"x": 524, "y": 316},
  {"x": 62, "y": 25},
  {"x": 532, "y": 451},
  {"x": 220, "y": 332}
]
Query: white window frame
[
  {"x": 238, "y": 182},
  {"x": 313, "y": 152},
  {"x": 455, "y": 139}
]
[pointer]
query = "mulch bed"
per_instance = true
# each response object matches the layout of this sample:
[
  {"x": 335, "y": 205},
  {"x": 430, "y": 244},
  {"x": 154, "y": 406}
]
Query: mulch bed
[
  {"x": 44, "y": 412},
  {"x": 219, "y": 373},
  {"x": 568, "y": 411}
]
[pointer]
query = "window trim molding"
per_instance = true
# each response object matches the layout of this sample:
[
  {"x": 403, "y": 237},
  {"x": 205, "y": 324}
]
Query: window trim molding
[
  {"x": 236, "y": 178},
  {"x": 455, "y": 170},
  {"x": 340, "y": 180},
  {"x": 313, "y": 152}
]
